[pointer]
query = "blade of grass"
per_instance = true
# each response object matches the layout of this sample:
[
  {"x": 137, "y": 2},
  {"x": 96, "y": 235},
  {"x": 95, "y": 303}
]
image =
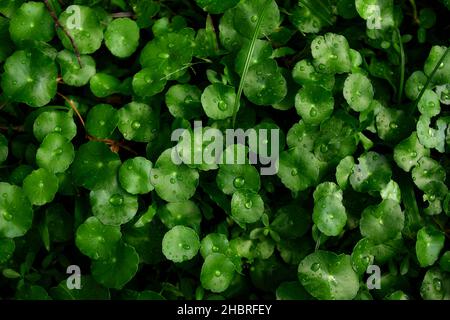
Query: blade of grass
[
  {"x": 248, "y": 59},
  {"x": 402, "y": 67}
]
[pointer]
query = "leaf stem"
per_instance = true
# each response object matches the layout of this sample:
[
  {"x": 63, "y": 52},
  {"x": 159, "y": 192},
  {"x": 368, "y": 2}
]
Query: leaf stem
[
  {"x": 123, "y": 15},
  {"x": 58, "y": 25},
  {"x": 72, "y": 105},
  {"x": 402, "y": 67},
  {"x": 237, "y": 101}
]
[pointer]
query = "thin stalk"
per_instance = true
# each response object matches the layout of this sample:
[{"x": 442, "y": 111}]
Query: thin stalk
[
  {"x": 430, "y": 78},
  {"x": 247, "y": 61},
  {"x": 402, "y": 68}
]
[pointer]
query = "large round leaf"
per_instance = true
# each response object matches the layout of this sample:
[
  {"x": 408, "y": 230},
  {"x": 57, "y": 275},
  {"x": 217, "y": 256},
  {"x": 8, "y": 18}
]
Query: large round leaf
[
  {"x": 55, "y": 154},
  {"x": 95, "y": 166},
  {"x": 117, "y": 271},
  {"x": 372, "y": 173},
  {"x": 173, "y": 182},
  {"x": 217, "y": 272},
  {"x": 183, "y": 101},
  {"x": 16, "y": 214},
  {"x": 96, "y": 240},
  {"x": 184, "y": 213},
  {"x": 134, "y": 175},
  {"x": 358, "y": 92},
  {"x": 247, "y": 206},
  {"x": 265, "y": 84},
  {"x": 102, "y": 120},
  {"x": 329, "y": 213},
  {"x": 331, "y": 53},
  {"x": 32, "y": 21},
  {"x": 248, "y": 12},
  {"x": 113, "y": 206},
  {"x": 138, "y": 122},
  {"x": 328, "y": 276},
  {"x": 30, "y": 77},
  {"x": 54, "y": 122},
  {"x": 382, "y": 222},
  {"x": 218, "y": 101},
  {"x": 232, "y": 178},
  {"x": 122, "y": 37},
  {"x": 314, "y": 104},
  {"x": 40, "y": 186},
  {"x": 83, "y": 24},
  {"x": 72, "y": 73},
  {"x": 180, "y": 244},
  {"x": 429, "y": 244}
]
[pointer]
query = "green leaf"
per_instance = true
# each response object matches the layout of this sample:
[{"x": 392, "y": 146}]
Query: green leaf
[
  {"x": 247, "y": 14},
  {"x": 232, "y": 178},
  {"x": 30, "y": 77},
  {"x": 328, "y": 276},
  {"x": 217, "y": 272},
  {"x": 331, "y": 53},
  {"x": 71, "y": 72},
  {"x": 54, "y": 122},
  {"x": 247, "y": 206},
  {"x": 184, "y": 213},
  {"x": 40, "y": 186},
  {"x": 102, "y": 120},
  {"x": 329, "y": 213},
  {"x": 7, "y": 247},
  {"x": 358, "y": 92},
  {"x": 16, "y": 212},
  {"x": 172, "y": 182},
  {"x": 264, "y": 83},
  {"x": 96, "y": 240},
  {"x": 138, "y": 122},
  {"x": 149, "y": 81},
  {"x": 305, "y": 73},
  {"x": 170, "y": 52},
  {"x": 122, "y": 37},
  {"x": 382, "y": 222},
  {"x": 442, "y": 75},
  {"x": 84, "y": 26},
  {"x": 408, "y": 152},
  {"x": 378, "y": 13},
  {"x": 298, "y": 169},
  {"x": 214, "y": 243},
  {"x": 429, "y": 104},
  {"x": 95, "y": 166},
  {"x": 180, "y": 244},
  {"x": 183, "y": 101},
  {"x": 113, "y": 206},
  {"x": 217, "y": 101},
  {"x": 117, "y": 271},
  {"x": 435, "y": 285},
  {"x": 372, "y": 173},
  {"x": 314, "y": 104},
  {"x": 415, "y": 84},
  {"x": 134, "y": 175},
  {"x": 428, "y": 246},
  {"x": 103, "y": 85},
  {"x": 55, "y": 154},
  {"x": 216, "y": 6}
]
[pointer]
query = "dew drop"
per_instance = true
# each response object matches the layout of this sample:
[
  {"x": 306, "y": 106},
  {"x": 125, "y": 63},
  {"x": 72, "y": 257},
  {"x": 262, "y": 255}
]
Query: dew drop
[
  {"x": 116, "y": 200},
  {"x": 313, "y": 112},
  {"x": 57, "y": 129},
  {"x": 294, "y": 172},
  {"x": 413, "y": 154},
  {"x": 186, "y": 246},
  {"x": 249, "y": 204},
  {"x": 437, "y": 284},
  {"x": 102, "y": 123},
  {"x": 217, "y": 273},
  {"x": 215, "y": 249},
  {"x": 163, "y": 55},
  {"x": 58, "y": 151},
  {"x": 173, "y": 180},
  {"x": 238, "y": 182},
  {"x": 222, "y": 105},
  {"x": 188, "y": 100},
  {"x": 136, "y": 125},
  {"x": 254, "y": 19},
  {"x": 7, "y": 216},
  {"x": 315, "y": 266}
]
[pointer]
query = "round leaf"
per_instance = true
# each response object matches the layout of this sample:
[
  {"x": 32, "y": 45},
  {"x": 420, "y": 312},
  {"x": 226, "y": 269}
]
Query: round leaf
[
  {"x": 218, "y": 101},
  {"x": 138, "y": 122},
  {"x": 217, "y": 272},
  {"x": 72, "y": 73},
  {"x": 247, "y": 206},
  {"x": 314, "y": 104},
  {"x": 122, "y": 37},
  {"x": 102, "y": 120},
  {"x": 180, "y": 244},
  {"x": 16, "y": 214},
  {"x": 55, "y": 154},
  {"x": 40, "y": 187},
  {"x": 54, "y": 122},
  {"x": 134, "y": 175}
]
